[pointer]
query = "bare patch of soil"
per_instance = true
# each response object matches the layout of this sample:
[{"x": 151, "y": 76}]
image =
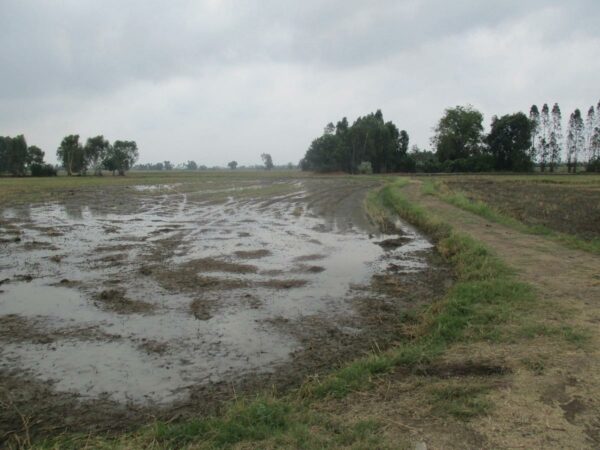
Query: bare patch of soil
[
  {"x": 252, "y": 254},
  {"x": 283, "y": 284},
  {"x": 201, "y": 309},
  {"x": 217, "y": 265},
  {"x": 115, "y": 300}
]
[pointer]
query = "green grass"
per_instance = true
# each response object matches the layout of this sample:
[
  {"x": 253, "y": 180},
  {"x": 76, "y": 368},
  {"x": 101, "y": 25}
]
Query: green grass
[
  {"x": 486, "y": 211},
  {"x": 273, "y": 422}
]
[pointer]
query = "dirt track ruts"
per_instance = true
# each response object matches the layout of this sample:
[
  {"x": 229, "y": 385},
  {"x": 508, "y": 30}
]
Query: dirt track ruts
[{"x": 561, "y": 407}]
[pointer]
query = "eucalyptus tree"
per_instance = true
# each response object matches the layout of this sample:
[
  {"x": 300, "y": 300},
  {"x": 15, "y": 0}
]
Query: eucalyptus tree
[
  {"x": 575, "y": 140},
  {"x": 267, "y": 161},
  {"x": 590, "y": 126},
  {"x": 534, "y": 118},
  {"x": 556, "y": 138},
  {"x": 71, "y": 155},
  {"x": 544, "y": 150},
  {"x": 95, "y": 151},
  {"x": 121, "y": 157}
]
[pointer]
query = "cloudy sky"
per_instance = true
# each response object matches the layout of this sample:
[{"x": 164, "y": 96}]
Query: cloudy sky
[{"x": 218, "y": 80}]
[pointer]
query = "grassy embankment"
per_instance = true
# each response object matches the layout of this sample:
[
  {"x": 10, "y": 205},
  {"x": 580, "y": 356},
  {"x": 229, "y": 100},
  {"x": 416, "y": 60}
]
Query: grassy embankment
[
  {"x": 485, "y": 303},
  {"x": 461, "y": 200}
]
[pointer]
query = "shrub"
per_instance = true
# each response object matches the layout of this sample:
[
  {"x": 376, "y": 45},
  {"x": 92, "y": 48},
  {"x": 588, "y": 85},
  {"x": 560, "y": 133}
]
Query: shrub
[
  {"x": 43, "y": 170},
  {"x": 365, "y": 168}
]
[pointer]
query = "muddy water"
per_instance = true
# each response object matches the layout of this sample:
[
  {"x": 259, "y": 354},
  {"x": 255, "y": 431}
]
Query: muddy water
[{"x": 142, "y": 298}]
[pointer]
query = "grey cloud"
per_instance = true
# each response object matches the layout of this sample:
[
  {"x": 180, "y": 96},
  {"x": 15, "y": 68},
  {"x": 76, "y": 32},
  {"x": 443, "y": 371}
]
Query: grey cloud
[{"x": 146, "y": 68}]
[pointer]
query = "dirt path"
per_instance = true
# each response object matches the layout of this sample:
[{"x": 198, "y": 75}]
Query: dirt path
[{"x": 557, "y": 405}]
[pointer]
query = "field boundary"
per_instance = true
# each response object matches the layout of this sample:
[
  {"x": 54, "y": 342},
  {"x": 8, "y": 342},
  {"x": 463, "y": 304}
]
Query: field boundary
[{"x": 460, "y": 199}]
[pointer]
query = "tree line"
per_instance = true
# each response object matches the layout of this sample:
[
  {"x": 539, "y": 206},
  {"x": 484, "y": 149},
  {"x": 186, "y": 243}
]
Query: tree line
[
  {"x": 516, "y": 142},
  {"x": 97, "y": 154},
  {"x": 368, "y": 145},
  {"x": 580, "y": 145},
  {"x": 19, "y": 159},
  {"x": 233, "y": 165}
]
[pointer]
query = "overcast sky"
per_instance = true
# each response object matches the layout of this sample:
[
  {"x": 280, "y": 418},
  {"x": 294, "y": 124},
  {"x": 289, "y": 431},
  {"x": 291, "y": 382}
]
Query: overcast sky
[{"x": 219, "y": 80}]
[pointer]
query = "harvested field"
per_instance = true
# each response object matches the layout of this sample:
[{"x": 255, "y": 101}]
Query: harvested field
[
  {"x": 124, "y": 302},
  {"x": 571, "y": 207}
]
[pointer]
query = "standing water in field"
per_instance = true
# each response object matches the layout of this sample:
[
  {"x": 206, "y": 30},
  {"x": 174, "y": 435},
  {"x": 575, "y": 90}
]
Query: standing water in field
[{"x": 152, "y": 295}]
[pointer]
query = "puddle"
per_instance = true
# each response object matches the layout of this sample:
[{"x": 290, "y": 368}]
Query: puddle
[{"x": 218, "y": 277}]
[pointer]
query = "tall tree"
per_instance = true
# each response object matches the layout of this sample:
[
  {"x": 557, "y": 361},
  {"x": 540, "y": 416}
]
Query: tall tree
[
  {"x": 534, "y": 117},
  {"x": 267, "y": 161},
  {"x": 509, "y": 141},
  {"x": 13, "y": 155},
  {"x": 70, "y": 154},
  {"x": 544, "y": 150},
  {"x": 95, "y": 150},
  {"x": 232, "y": 165},
  {"x": 592, "y": 131},
  {"x": 575, "y": 140},
  {"x": 35, "y": 155},
  {"x": 121, "y": 157},
  {"x": 556, "y": 137},
  {"x": 458, "y": 134}
]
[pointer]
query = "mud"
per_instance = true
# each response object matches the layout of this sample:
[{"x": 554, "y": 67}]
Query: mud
[{"x": 160, "y": 301}]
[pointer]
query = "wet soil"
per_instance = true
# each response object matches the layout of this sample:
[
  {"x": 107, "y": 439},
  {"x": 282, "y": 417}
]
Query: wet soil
[{"x": 141, "y": 302}]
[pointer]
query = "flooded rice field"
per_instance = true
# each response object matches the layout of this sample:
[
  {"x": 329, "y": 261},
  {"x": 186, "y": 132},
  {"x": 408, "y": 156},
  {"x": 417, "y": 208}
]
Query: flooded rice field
[{"x": 127, "y": 302}]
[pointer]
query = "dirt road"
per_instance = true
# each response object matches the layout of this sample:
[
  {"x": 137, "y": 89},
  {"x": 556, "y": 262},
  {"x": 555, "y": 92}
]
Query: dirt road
[{"x": 557, "y": 405}]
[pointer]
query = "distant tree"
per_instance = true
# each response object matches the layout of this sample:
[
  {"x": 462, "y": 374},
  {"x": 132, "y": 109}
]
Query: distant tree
[
  {"x": 70, "y": 154},
  {"x": 168, "y": 165},
  {"x": 35, "y": 155},
  {"x": 556, "y": 137},
  {"x": 191, "y": 165},
  {"x": 95, "y": 150},
  {"x": 42, "y": 170},
  {"x": 267, "y": 161},
  {"x": 544, "y": 150},
  {"x": 458, "y": 134},
  {"x": 325, "y": 154},
  {"x": 121, "y": 157},
  {"x": 575, "y": 140},
  {"x": 203, "y": 167},
  {"x": 425, "y": 160},
  {"x": 534, "y": 118},
  {"x": 14, "y": 156},
  {"x": 232, "y": 165},
  {"x": 369, "y": 139},
  {"x": 590, "y": 132},
  {"x": 509, "y": 142}
]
